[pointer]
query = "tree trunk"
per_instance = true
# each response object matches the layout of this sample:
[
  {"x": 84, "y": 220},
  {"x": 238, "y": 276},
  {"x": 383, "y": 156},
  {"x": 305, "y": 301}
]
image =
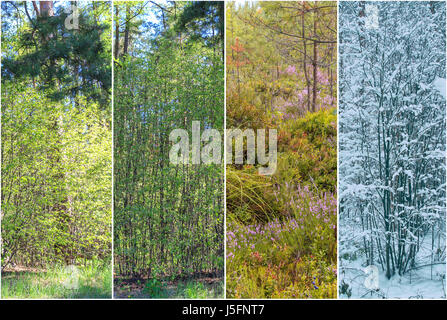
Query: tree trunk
[{"x": 117, "y": 33}]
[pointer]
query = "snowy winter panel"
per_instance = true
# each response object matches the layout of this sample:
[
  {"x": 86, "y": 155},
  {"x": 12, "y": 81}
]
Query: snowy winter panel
[{"x": 392, "y": 150}]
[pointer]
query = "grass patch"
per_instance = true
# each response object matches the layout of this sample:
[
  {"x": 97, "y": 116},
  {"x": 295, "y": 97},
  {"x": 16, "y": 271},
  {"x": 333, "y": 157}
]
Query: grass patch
[
  {"x": 199, "y": 290},
  {"x": 93, "y": 282}
]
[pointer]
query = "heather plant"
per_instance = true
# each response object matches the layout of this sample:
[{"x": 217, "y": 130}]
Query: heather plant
[
  {"x": 307, "y": 156},
  {"x": 293, "y": 255}
]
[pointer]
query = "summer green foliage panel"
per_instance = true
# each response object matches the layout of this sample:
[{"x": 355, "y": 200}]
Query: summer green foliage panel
[
  {"x": 168, "y": 219},
  {"x": 56, "y": 137}
]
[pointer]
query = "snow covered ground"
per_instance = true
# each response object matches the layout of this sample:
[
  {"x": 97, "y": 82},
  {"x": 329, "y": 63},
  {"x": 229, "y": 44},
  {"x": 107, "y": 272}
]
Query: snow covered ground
[{"x": 425, "y": 281}]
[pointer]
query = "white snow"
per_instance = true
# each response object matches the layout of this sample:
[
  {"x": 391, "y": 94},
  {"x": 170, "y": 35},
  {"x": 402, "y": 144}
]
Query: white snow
[{"x": 423, "y": 283}]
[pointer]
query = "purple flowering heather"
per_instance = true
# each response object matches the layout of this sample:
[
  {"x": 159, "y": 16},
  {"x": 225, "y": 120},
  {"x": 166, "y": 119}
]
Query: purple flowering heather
[{"x": 304, "y": 213}]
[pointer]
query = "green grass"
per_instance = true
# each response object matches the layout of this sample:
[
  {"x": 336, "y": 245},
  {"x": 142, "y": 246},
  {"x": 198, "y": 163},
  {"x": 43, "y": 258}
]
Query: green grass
[
  {"x": 94, "y": 281},
  {"x": 184, "y": 289},
  {"x": 199, "y": 290}
]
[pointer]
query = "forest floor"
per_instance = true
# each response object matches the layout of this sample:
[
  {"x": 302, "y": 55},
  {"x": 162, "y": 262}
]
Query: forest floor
[
  {"x": 56, "y": 283},
  {"x": 192, "y": 288}
]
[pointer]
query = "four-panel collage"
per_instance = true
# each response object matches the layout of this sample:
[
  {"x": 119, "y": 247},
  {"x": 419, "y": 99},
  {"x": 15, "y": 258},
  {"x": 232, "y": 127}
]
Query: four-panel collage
[{"x": 214, "y": 150}]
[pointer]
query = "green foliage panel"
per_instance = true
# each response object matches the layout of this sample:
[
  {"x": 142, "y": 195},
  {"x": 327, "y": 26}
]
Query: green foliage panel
[{"x": 168, "y": 218}]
